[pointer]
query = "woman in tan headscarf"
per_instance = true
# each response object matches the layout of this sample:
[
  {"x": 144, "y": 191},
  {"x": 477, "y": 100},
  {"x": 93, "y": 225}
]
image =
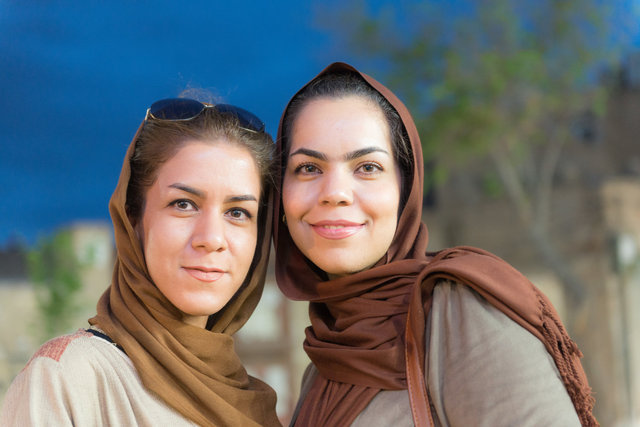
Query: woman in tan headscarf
[
  {"x": 398, "y": 336},
  {"x": 192, "y": 223}
]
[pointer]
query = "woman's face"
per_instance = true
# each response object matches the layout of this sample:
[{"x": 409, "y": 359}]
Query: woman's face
[
  {"x": 199, "y": 226},
  {"x": 341, "y": 186}
]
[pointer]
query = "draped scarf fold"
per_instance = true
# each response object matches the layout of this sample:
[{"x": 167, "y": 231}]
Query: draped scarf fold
[
  {"x": 194, "y": 370},
  {"x": 358, "y": 334}
]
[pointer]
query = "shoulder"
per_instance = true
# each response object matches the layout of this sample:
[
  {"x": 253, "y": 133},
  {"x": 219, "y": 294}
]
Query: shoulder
[
  {"x": 58, "y": 347},
  {"x": 450, "y": 295},
  {"x": 72, "y": 351},
  {"x": 491, "y": 365},
  {"x": 69, "y": 363},
  {"x": 479, "y": 326},
  {"x": 52, "y": 387}
]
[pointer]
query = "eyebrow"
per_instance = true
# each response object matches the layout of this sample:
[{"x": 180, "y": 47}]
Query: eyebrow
[
  {"x": 349, "y": 156},
  {"x": 363, "y": 152},
  {"x": 188, "y": 189},
  {"x": 311, "y": 153},
  {"x": 243, "y": 198},
  {"x": 201, "y": 194}
]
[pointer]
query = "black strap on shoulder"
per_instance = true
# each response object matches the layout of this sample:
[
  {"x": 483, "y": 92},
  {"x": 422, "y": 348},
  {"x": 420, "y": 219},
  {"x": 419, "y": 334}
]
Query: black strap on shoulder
[{"x": 106, "y": 338}]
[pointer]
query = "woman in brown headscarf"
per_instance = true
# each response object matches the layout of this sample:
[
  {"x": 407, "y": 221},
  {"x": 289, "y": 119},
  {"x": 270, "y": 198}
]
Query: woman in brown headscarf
[
  {"x": 191, "y": 215},
  {"x": 398, "y": 336}
]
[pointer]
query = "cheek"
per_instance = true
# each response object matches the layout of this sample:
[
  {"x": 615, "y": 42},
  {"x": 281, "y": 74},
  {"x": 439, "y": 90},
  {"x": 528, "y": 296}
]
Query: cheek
[
  {"x": 296, "y": 202},
  {"x": 382, "y": 197},
  {"x": 161, "y": 240},
  {"x": 243, "y": 243},
  {"x": 290, "y": 197},
  {"x": 299, "y": 194},
  {"x": 384, "y": 207}
]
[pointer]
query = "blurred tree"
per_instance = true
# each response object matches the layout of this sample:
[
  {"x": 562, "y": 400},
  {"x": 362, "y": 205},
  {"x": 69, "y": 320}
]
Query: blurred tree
[
  {"x": 54, "y": 270},
  {"x": 505, "y": 79}
]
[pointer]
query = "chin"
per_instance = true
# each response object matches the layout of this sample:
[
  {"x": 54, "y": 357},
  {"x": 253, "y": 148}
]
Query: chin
[
  {"x": 345, "y": 268},
  {"x": 341, "y": 262},
  {"x": 200, "y": 309},
  {"x": 340, "y": 270}
]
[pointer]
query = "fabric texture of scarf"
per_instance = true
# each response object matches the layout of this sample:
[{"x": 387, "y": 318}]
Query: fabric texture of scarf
[
  {"x": 358, "y": 326},
  {"x": 194, "y": 370}
]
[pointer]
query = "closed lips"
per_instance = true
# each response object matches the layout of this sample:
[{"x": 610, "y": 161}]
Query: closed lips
[
  {"x": 204, "y": 274},
  {"x": 336, "y": 229}
]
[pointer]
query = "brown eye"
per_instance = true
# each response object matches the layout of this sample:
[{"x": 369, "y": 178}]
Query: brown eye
[
  {"x": 239, "y": 214},
  {"x": 184, "y": 205},
  {"x": 369, "y": 168},
  {"x": 307, "y": 169}
]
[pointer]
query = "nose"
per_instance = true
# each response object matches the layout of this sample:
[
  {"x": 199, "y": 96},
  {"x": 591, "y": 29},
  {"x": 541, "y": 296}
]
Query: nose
[
  {"x": 209, "y": 233},
  {"x": 336, "y": 189}
]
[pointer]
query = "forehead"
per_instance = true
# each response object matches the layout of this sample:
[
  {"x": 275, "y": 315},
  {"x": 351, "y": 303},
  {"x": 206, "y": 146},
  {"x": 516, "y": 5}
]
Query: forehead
[
  {"x": 348, "y": 122},
  {"x": 212, "y": 163}
]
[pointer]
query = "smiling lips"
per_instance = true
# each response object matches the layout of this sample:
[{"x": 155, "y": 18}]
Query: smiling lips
[
  {"x": 204, "y": 274},
  {"x": 336, "y": 230}
]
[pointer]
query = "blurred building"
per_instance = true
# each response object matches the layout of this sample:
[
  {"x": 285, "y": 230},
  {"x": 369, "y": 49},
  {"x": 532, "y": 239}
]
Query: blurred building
[
  {"x": 270, "y": 345},
  {"x": 20, "y": 322}
]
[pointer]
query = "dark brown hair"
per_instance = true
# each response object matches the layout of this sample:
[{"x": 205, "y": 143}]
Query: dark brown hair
[{"x": 160, "y": 140}]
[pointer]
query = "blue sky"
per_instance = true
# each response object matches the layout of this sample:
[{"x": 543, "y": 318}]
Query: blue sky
[{"x": 77, "y": 78}]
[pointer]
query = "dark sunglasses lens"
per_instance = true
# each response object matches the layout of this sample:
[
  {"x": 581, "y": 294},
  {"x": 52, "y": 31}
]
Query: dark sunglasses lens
[
  {"x": 247, "y": 120},
  {"x": 176, "y": 109}
]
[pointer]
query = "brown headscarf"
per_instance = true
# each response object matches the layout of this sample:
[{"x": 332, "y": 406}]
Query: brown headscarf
[
  {"x": 367, "y": 327},
  {"x": 194, "y": 370}
]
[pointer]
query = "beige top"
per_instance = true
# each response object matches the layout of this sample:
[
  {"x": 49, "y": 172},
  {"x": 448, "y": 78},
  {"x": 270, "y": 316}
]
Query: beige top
[
  {"x": 83, "y": 380},
  {"x": 482, "y": 369}
]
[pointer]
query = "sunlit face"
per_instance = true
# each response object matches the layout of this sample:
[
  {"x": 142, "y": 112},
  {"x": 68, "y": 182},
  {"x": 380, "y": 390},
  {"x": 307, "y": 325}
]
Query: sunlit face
[
  {"x": 199, "y": 226},
  {"x": 341, "y": 186}
]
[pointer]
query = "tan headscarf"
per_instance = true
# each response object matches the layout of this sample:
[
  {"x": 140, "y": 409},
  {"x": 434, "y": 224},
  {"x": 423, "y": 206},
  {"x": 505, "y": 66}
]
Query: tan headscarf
[
  {"x": 365, "y": 326},
  {"x": 194, "y": 370}
]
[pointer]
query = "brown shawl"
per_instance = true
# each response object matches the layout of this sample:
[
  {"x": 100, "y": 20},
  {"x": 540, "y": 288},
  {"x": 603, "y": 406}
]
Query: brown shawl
[
  {"x": 368, "y": 327},
  {"x": 194, "y": 370}
]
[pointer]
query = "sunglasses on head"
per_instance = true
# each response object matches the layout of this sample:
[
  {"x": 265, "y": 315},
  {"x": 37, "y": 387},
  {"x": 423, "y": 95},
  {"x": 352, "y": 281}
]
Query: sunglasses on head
[{"x": 183, "y": 109}]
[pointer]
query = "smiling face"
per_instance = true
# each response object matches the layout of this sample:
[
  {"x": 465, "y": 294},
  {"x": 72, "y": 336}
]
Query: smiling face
[
  {"x": 199, "y": 226},
  {"x": 341, "y": 187}
]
